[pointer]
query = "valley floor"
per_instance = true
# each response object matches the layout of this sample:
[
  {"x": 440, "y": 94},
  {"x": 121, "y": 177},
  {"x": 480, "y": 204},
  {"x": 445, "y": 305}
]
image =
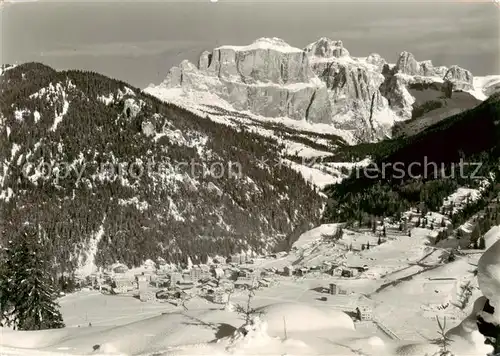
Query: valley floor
[{"x": 406, "y": 285}]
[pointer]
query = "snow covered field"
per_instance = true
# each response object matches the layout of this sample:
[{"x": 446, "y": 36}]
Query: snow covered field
[{"x": 404, "y": 276}]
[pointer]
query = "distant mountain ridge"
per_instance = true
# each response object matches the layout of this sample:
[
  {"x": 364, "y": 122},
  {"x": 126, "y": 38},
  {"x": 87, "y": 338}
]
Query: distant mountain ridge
[
  {"x": 92, "y": 216},
  {"x": 320, "y": 84}
]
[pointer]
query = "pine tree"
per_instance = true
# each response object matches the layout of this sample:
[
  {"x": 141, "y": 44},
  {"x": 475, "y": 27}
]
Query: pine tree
[
  {"x": 482, "y": 243},
  {"x": 27, "y": 290},
  {"x": 451, "y": 256},
  {"x": 379, "y": 240},
  {"x": 475, "y": 235},
  {"x": 444, "y": 340}
]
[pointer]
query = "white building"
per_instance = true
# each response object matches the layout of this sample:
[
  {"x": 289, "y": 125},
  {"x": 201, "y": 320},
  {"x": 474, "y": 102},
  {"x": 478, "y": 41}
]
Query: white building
[
  {"x": 221, "y": 298},
  {"x": 143, "y": 286},
  {"x": 150, "y": 265},
  {"x": 196, "y": 273},
  {"x": 365, "y": 313},
  {"x": 142, "y": 282},
  {"x": 337, "y": 271},
  {"x": 175, "y": 278},
  {"x": 119, "y": 268},
  {"x": 264, "y": 282},
  {"x": 218, "y": 273},
  {"x": 326, "y": 266},
  {"x": 239, "y": 258},
  {"x": 122, "y": 284}
]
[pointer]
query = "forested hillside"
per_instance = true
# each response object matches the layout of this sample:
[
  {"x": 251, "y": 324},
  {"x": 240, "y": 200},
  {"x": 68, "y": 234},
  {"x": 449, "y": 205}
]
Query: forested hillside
[
  {"x": 187, "y": 186},
  {"x": 460, "y": 151}
]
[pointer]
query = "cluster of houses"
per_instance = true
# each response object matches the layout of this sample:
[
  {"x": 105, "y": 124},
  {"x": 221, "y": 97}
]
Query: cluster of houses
[
  {"x": 159, "y": 280},
  {"x": 326, "y": 267},
  {"x": 118, "y": 277},
  {"x": 163, "y": 281}
]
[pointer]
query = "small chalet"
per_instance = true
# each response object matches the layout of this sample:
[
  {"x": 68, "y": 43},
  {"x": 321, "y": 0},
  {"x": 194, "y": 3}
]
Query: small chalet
[
  {"x": 364, "y": 313},
  {"x": 337, "y": 271},
  {"x": 218, "y": 273},
  {"x": 119, "y": 268},
  {"x": 184, "y": 285}
]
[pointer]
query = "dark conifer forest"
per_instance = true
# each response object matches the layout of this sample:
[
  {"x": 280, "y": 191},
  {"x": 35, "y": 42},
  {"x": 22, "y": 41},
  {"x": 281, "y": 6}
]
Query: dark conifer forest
[
  {"x": 171, "y": 212},
  {"x": 422, "y": 170}
]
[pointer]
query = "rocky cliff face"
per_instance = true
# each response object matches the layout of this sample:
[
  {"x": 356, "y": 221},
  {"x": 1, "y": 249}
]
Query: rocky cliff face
[
  {"x": 407, "y": 64},
  {"x": 322, "y": 83},
  {"x": 326, "y": 48},
  {"x": 268, "y": 77},
  {"x": 460, "y": 78},
  {"x": 409, "y": 72},
  {"x": 353, "y": 87}
]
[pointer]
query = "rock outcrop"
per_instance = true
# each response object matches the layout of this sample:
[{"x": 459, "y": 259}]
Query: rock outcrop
[
  {"x": 326, "y": 48},
  {"x": 395, "y": 90},
  {"x": 353, "y": 89},
  {"x": 322, "y": 83},
  {"x": 460, "y": 78},
  {"x": 407, "y": 64},
  {"x": 376, "y": 60},
  {"x": 268, "y": 77}
]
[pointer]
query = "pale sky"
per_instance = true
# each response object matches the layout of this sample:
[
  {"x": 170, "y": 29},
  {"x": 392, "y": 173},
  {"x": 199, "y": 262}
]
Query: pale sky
[{"x": 138, "y": 41}]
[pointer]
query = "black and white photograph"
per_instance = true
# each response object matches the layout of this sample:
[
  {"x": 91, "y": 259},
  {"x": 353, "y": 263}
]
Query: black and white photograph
[{"x": 249, "y": 178}]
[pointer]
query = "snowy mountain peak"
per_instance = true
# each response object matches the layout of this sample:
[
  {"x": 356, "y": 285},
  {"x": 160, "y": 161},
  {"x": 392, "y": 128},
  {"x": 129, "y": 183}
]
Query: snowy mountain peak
[
  {"x": 376, "y": 60},
  {"x": 407, "y": 64},
  {"x": 460, "y": 78},
  {"x": 326, "y": 48},
  {"x": 274, "y": 44},
  {"x": 364, "y": 97},
  {"x": 267, "y": 77}
]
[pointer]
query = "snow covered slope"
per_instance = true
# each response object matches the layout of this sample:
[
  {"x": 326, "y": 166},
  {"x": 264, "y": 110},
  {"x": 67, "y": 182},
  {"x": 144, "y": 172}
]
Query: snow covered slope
[
  {"x": 288, "y": 318},
  {"x": 304, "y": 145},
  {"x": 489, "y": 278},
  {"x": 485, "y": 86}
]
